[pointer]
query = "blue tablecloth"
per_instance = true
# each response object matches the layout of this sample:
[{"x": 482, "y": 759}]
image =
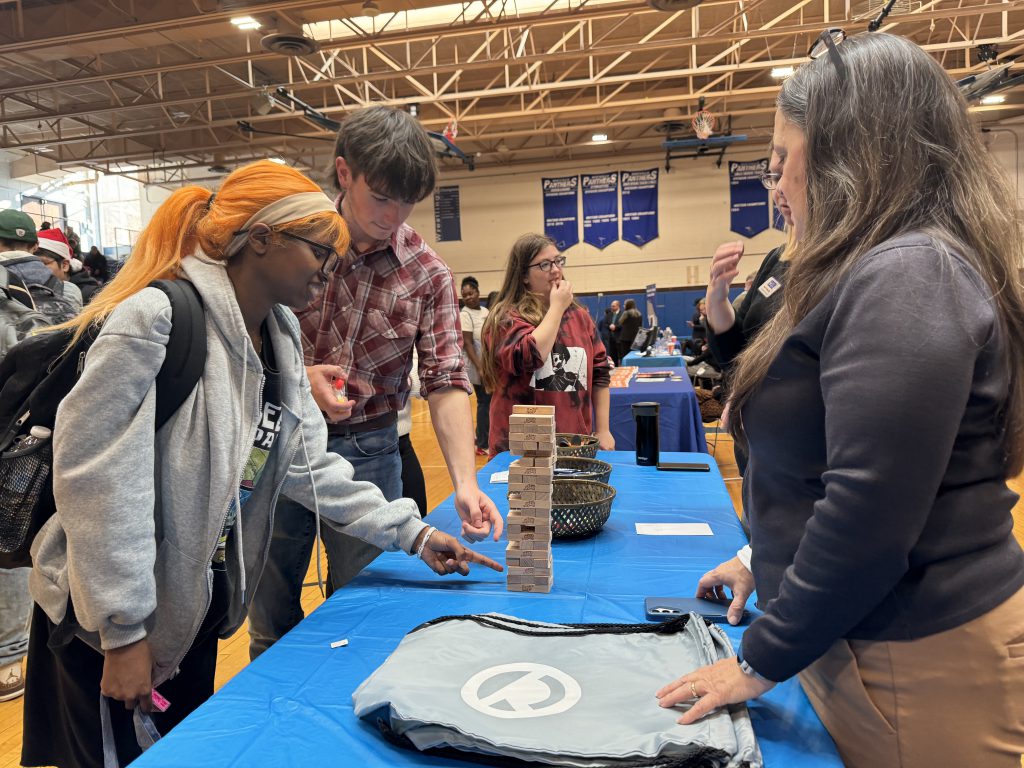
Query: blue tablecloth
[
  {"x": 679, "y": 423},
  {"x": 655, "y": 361},
  {"x": 293, "y": 706}
]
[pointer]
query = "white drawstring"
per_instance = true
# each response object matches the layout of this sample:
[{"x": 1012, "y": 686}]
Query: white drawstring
[
  {"x": 316, "y": 509},
  {"x": 238, "y": 498}
]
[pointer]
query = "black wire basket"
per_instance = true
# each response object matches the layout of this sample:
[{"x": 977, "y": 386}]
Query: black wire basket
[
  {"x": 569, "y": 444},
  {"x": 579, "y": 468},
  {"x": 579, "y": 507}
]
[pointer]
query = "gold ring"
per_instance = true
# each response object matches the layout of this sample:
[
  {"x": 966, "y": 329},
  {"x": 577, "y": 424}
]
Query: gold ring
[{"x": 693, "y": 690}]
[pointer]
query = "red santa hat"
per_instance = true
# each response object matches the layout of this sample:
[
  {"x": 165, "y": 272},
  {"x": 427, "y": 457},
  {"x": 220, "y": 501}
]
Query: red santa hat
[{"x": 53, "y": 240}]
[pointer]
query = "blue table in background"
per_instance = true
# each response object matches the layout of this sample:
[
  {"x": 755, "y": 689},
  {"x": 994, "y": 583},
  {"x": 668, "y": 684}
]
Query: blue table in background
[
  {"x": 654, "y": 361},
  {"x": 293, "y": 705},
  {"x": 679, "y": 422}
]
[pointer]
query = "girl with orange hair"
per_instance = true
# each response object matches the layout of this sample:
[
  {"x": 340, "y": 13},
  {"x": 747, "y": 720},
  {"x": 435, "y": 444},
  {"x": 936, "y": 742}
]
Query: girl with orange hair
[{"x": 160, "y": 536}]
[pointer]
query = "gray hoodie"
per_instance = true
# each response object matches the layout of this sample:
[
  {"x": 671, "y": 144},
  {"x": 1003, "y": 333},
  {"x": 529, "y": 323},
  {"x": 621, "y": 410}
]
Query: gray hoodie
[{"x": 138, "y": 514}]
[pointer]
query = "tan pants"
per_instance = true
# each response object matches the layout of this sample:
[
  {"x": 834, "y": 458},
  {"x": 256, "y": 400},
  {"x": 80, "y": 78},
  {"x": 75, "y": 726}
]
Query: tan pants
[{"x": 953, "y": 699}]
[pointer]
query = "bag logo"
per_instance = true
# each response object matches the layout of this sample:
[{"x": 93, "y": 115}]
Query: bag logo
[{"x": 521, "y": 690}]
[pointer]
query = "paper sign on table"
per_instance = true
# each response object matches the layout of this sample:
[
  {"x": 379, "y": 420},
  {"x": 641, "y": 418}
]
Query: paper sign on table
[
  {"x": 674, "y": 529},
  {"x": 499, "y": 477}
]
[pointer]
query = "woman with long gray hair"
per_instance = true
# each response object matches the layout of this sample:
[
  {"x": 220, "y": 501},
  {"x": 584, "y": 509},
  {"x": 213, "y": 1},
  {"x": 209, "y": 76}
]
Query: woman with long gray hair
[{"x": 883, "y": 407}]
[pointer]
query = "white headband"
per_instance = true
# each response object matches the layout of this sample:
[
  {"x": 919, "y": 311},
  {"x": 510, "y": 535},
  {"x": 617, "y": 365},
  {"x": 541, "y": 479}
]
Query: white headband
[{"x": 281, "y": 211}]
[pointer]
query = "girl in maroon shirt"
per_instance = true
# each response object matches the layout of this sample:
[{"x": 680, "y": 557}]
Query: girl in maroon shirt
[{"x": 542, "y": 348}]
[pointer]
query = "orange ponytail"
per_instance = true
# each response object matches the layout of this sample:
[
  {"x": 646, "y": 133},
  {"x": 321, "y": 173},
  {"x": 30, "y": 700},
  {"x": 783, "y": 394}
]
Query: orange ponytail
[{"x": 185, "y": 223}]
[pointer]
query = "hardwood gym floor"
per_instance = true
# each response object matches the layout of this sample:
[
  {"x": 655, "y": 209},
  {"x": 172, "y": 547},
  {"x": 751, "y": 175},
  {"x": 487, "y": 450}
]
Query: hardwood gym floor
[{"x": 234, "y": 654}]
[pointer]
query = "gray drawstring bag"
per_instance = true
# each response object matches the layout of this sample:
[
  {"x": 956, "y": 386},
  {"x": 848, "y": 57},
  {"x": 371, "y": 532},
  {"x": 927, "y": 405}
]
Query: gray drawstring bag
[{"x": 499, "y": 690}]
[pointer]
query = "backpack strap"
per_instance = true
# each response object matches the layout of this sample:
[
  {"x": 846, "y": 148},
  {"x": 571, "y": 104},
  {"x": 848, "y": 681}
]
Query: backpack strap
[{"x": 186, "y": 348}]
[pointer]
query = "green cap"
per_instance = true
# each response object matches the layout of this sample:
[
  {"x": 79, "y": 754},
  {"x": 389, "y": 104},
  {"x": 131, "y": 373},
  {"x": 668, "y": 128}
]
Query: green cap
[{"x": 17, "y": 225}]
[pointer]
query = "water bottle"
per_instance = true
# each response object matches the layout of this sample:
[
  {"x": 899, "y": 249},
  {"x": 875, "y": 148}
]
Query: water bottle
[
  {"x": 28, "y": 443},
  {"x": 647, "y": 439}
]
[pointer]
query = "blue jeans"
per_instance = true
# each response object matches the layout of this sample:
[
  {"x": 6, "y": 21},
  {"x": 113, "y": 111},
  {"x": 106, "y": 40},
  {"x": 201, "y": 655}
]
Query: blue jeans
[
  {"x": 276, "y": 606},
  {"x": 15, "y": 615}
]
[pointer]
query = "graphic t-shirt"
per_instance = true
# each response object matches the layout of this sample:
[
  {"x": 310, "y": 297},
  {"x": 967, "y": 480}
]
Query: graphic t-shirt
[
  {"x": 266, "y": 434},
  {"x": 578, "y": 362}
]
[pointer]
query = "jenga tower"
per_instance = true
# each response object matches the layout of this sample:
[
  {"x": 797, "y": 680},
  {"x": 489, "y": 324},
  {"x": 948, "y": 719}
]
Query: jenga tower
[{"x": 528, "y": 560}]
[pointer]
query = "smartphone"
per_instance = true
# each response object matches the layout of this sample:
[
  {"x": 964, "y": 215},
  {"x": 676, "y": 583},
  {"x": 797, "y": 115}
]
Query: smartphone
[
  {"x": 669, "y": 466},
  {"x": 665, "y": 608}
]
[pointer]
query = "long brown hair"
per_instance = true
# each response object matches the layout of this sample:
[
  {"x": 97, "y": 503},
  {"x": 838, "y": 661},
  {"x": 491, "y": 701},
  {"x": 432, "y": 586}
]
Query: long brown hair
[
  {"x": 512, "y": 296},
  {"x": 892, "y": 150},
  {"x": 191, "y": 218}
]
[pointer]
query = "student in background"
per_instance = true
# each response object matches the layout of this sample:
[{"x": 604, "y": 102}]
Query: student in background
[
  {"x": 542, "y": 348},
  {"x": 472, "y": 319}
]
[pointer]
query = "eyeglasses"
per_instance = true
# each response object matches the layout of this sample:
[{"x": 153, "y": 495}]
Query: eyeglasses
[
  {"x": 770, "y": 180},
  {"x": 545, "y": 266},
  {"x": 325, "y": 254},
  {"x": 828, "y": 42}
]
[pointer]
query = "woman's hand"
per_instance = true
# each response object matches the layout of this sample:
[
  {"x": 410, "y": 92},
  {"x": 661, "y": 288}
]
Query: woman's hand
[
  {"x": 444, "y": 555},
  {"x": 561, "y": 295},
  {"x": 711, "y": 687},
  {"x": 605, "y": 441},
  {"x": 321, "y": 385},
  {"x": 724, "y": 267},
  {"x": 734, "y": 575},
  {"x": 128, "y": 675}
]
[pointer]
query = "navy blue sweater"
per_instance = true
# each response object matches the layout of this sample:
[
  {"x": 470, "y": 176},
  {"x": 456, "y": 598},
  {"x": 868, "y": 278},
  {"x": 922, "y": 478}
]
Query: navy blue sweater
[{"x": 875, "y": 490}]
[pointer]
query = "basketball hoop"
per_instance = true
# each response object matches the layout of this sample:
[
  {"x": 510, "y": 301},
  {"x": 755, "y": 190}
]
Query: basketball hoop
[{"x": 704, "y": 123}]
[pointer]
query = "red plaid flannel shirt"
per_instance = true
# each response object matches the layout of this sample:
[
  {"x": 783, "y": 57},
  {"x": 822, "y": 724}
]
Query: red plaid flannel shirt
[{"x": 373, "y": 310}]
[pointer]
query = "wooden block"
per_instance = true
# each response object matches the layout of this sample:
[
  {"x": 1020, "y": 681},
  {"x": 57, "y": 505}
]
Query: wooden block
[
  {"x": 535, "y": 545},
  {"x": 537, "y": 523},
  {"x": 538, "y": 504},
  {"x": 543, "y": 494},
  {"x": 524, "y": 533},
  {"x": 540, "y": 581},
  {"x": 545, "y": 588},
  {"x": 515, "y": 474},
  {"x": 531, "y": 483},
  {"x": 533, "y": 437},
  {"x": 534, "y": 409},
  {"x": 528, "y": 517},
  {"x": 540, "y": 571},
  {"x": 547, "y": 462},
  {"x": 521, "y": 462},
  {"x": 525, "y": 558},
  {"x": 519, "y": 420}
]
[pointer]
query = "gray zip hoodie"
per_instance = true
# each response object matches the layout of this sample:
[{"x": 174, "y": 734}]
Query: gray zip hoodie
[{"x": 138, "y": 514}]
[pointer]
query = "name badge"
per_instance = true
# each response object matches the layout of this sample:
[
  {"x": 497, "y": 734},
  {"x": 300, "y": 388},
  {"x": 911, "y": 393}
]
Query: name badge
[{"x": 769, "y": 286}]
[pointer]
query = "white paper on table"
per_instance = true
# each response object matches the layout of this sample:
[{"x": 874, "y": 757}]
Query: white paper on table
[
  {"x": 499, "y": 477},
  {"x": 674, "y": 529}
]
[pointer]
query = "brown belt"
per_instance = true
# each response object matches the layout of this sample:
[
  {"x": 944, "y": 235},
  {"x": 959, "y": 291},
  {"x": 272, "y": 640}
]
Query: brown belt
[{"x": 345, "y": 428}]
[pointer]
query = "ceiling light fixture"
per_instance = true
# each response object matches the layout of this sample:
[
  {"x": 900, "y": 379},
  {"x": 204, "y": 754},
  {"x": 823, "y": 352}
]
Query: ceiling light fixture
[
  {"x": 599, "y": 138},
  {"x": 995, "y": 98},
  {"x": 245, "y": 22},
  {"x": 279, "y": 160},
  {"x": 780, "y": 73},
  {"x": 371, "y": 9}
]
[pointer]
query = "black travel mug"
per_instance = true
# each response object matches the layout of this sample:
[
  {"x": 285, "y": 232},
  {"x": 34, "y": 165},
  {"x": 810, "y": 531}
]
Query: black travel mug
[{"x": 646, "y": 416}]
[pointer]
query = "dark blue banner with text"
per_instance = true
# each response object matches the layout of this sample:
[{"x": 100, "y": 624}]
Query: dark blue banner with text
[
  {"x": 748, "y": 198},
  {"x": 639, "y": 206},
  {"x": 600, "y": 208},
  {"x": 561, "y": 210}
]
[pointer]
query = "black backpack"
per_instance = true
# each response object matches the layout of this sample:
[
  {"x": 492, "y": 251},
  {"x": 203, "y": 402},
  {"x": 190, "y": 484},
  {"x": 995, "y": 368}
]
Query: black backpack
[{"x": 37, "y": 374}]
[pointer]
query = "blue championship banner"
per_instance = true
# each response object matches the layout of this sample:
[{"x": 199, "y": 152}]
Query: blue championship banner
[
  {"x": 639, "y": 206},
  {"x": 561, "y": 216},
  {"x": 600, "y": 209},
  {"x": 447, "y": 214},
  {"x": 748, "y": 198}
]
